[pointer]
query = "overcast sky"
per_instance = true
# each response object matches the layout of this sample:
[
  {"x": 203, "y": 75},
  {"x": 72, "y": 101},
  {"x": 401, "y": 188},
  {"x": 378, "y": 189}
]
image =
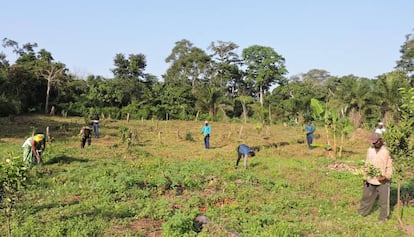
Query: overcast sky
[{"x": 359, "y": 37}]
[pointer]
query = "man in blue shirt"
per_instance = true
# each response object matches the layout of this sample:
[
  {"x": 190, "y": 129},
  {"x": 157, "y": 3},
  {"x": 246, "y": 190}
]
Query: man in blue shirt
[
  {"x": 310, "y": 129},
  {"x": 245, "y": 151},
  {"x": 206, "y": 131}
]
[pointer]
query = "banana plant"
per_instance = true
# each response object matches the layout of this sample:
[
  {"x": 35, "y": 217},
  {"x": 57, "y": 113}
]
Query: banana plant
[
  {"x": 321, "y": 112},
  {"x": 345, "y": 127}
]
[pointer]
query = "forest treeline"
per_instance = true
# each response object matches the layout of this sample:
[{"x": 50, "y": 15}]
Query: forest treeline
[{"x": 217, "y": 84}]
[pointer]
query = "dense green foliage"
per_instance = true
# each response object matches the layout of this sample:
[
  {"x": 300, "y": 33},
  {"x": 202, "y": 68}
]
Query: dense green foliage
[{"x": 217, "y": 84}]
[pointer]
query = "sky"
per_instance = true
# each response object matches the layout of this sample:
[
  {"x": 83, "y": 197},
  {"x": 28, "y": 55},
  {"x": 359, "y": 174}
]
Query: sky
[{"x": 359, "y": 37}]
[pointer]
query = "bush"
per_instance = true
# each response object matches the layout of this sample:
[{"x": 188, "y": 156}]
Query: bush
[
  {"x": 180, "y": 224},
  {"x": 9, "y": 106}
]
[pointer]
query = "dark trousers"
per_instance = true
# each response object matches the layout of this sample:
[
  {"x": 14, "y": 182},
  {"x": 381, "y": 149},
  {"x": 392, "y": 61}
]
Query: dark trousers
[
  {"x": 84, "y": 140},
  {"x": 207, "y": 141},
  {"x": 96, "y": 129},
  {"x": 239, "y": 156},
  {"x": 370, "y": 193},
  {"x": 309, "y": 140}
]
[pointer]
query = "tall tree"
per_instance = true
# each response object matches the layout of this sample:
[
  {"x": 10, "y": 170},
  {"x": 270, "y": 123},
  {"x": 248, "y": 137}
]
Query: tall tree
[
  {"x": 52, "y": 72},
  {"x": 189, "y": 65},
  {"x": 226, "y": 63},
  {"x": 406, "y": 62},
  {"x": 389, "y": 96},
  {"x": 265, "y": 68},
  {"x": 21, "y": 83},
  {"x": 131, "y": 67},
  {"x": 129, "y": 72},
  {"x": 209, "y": 98},
  {"x": 355, "y": 97}
]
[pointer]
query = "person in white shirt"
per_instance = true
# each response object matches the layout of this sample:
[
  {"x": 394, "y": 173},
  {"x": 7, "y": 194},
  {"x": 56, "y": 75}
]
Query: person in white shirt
[
  {"x": 377, "y": 180},
  {"x": 380, "y": 128}
]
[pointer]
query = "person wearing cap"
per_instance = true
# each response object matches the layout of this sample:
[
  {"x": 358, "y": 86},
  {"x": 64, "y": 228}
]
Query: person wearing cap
[
  {"x": 206, "y": 131},
  {"x": 377, "y": 184},
  {"x": 380, "y": 128},
  {"x": 244, "y": 150},
  {"x": 33, "y": 148}
]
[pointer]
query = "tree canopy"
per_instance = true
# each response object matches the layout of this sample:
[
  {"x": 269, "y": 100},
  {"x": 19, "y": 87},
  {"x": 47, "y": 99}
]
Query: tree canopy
[{"x": 215, "y": 83}]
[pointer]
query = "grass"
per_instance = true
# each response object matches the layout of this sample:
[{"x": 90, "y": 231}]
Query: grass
[{"x": 158, "y": 184}]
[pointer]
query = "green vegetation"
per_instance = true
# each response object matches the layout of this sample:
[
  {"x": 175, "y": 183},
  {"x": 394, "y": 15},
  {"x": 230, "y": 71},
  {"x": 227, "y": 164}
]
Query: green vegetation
[
  {"x": 148, "y": 174},
  {"x": 157, "y": 183},
  {"x": 217, "y": 85}
]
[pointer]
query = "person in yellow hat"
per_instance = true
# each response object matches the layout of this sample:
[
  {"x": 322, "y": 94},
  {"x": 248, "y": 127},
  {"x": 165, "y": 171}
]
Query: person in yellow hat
[{"x": 33, "y": 148}]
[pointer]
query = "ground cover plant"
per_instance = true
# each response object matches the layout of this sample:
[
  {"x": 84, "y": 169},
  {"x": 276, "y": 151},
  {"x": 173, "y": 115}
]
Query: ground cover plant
[{"x": 153, "y": 178}]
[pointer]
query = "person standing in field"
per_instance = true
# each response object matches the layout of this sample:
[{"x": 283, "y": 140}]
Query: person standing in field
[
  {"x": 378, "y": 171},
  {"x": 309, "y": 129},
  {"x": 244, "y": 150},
  {"x": 86, "y": 136},
  {"x": 95, "y": 124},
  {"x": 206, "y": 131},
  {"x": 33, "y": 148},
  {"x": 380, "y": 128}
]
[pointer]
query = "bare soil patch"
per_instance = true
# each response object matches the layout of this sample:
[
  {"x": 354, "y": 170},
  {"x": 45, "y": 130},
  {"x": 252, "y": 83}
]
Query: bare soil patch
[{"x": 151, "y": 228}]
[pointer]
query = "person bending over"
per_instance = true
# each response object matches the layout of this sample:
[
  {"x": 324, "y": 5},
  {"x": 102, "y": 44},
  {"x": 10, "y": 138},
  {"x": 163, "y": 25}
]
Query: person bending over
[{"x": 244, "y": 150}]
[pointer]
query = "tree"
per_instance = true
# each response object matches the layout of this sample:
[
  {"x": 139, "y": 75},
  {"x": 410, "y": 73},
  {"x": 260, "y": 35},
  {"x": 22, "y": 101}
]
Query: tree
[
  {"x": 20, "y": 84},
  {"x": 209, "y": 98},
  {"x": 398, "y": 138},
  {"x": 226, "y": 63},
  {"x": 406, "y": 62},
  {"x": 389, "y": 96},
  {"x": 189, "y": 65},
  {"x": 52, "y": 72},
  {"x": 129, "y": 73},
  {"x": 178, "y": 102},
  {"x": 355, "y": 97},
  {"x": 292, "y": 100},
  {"x": 264, "y": 67},
  {"x": 133, "y": 67},
  {"x": 245, "y": 100}
]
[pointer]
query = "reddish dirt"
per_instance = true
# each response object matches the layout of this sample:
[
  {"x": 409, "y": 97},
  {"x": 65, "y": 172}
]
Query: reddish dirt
[
  {"x": 151, "y": 228},
  {"x": 343, "y": 167},
  {"x": 409, "y": 229}
]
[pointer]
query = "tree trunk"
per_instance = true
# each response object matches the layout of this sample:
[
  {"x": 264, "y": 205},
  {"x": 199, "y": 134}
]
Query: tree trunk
[
  {"x": 244, "y": 112},
  {"x": 47, "y": 95},
  {"x": 399, "y": 209},
  {"x": 341, "y": 145},
  {"x": 261, "y": 95},
  {"x": 270, "y": 115}
]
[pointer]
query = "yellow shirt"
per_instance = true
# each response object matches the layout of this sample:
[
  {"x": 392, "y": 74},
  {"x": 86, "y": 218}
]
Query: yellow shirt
[{"x": 381, "y": 160}]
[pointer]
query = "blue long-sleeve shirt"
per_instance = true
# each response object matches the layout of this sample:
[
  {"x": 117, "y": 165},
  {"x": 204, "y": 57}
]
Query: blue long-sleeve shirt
[
  {"x": 309, "y": 130},
  {"x": 206, "y": 130}
]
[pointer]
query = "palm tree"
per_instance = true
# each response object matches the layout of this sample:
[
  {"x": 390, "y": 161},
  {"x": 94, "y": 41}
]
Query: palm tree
[
  {"x": 388, "y": 86},
  {"x": 209, "y": 99},
  {"x": 356, "y": 97}
]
